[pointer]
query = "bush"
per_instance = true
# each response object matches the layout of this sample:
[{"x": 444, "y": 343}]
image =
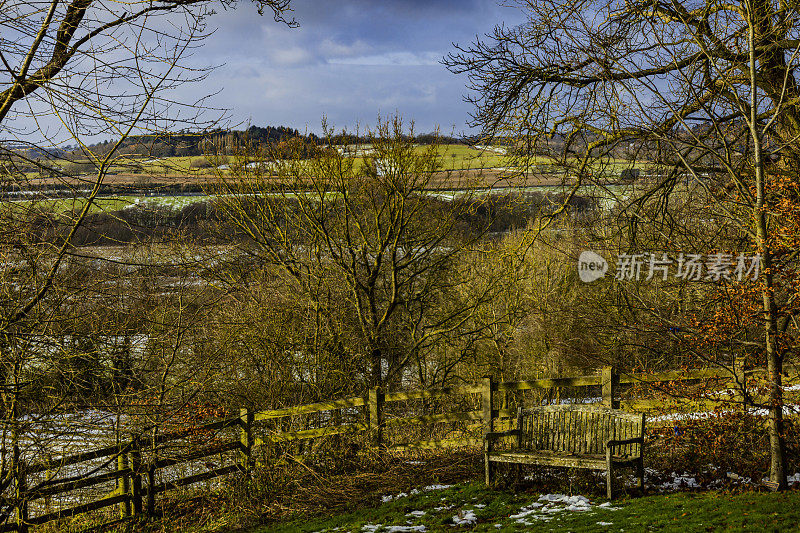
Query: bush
[
  {"x": 78, "y": 167},
  {"x": 200, "y": 162},
  {"x": 724, "y": 442}
]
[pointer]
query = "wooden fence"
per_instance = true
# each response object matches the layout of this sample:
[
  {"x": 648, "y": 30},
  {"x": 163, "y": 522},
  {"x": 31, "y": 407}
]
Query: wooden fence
[{"x": 136, "y": 468}]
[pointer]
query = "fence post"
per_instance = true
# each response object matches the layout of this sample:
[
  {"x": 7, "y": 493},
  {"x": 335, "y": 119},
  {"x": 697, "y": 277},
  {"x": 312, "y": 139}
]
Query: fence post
[
  {"x": 487, "y": 393},
  {"x": 609, "y": 381},
  {"x": 136, "y": 465},
  {"x": 21, "y": 489},
  {"x": 124, "y": 483},
  {"x": 376, "y": 415},
  {"x": 739, "y": 379},
  {"x": 246, "y": 418}
]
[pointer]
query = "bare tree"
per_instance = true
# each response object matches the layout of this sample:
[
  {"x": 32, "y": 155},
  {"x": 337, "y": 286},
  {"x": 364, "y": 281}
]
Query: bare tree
[
  {"x": 73, "y": 69},
  {"x": 364, "y": 238},
  {"x": 70, "y": 71},
  {"x": 704, "y": 95}
]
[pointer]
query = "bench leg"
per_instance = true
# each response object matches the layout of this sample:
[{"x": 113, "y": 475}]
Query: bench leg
[
  {"x": 609, "y": 475},
  {"x": 487, "y": 466}
]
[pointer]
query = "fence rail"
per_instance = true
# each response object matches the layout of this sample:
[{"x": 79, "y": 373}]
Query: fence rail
[{"x": 137, "y": 461}]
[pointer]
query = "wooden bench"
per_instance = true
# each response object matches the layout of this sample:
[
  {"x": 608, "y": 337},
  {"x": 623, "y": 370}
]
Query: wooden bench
[{"x": 577, "y": 436}]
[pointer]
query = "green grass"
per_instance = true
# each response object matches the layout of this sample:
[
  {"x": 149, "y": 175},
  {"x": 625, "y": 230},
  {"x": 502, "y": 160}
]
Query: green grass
[
  {"x": 106, "y": 204},
  {"x": 453, "y": 157},
  {"x": 681, "y": 512},
  {"x": 459, "y": 156}
]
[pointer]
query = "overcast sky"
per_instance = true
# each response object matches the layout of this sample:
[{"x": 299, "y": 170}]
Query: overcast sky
[{"x": 349, "y": 60}]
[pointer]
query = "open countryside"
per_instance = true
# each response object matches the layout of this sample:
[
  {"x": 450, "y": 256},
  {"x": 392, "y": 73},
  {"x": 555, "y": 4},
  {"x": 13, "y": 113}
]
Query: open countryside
[{"x": 574, "y": 310}]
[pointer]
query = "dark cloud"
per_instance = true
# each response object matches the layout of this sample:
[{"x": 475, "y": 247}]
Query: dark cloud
[{"x": 350, "y": 60}]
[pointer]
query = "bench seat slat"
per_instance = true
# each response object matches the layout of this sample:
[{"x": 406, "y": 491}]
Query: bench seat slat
[
  {"x": 573, "y": 461},
  {"x": 597, "y": 462}
]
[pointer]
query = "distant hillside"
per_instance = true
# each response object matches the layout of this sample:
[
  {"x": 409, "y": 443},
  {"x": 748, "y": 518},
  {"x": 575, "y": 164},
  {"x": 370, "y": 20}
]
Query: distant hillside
[{"x": 183, "y": 144}]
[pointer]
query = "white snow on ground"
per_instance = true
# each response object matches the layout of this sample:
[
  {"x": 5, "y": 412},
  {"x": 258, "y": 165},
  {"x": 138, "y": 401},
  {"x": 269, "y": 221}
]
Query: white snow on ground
[
  {"x": 736, "y": 477},
  {"x": 608, "y": 507},
  {"x": 792, "y": 387},
  {"x": 528, "y": 510},
  {"x": 436, "y": 487},
  {"x": 429, "y": 488},
  {"x": 680, "y": 481},
  {"x": 788, "y": 409},
  {"x": 688, "y": 481},
  {"x": 465, "y": 518},
  {"x": 495, "y": 149},
  {"x": 373, "y": 528},
  {"x": 550, "y": 504}
]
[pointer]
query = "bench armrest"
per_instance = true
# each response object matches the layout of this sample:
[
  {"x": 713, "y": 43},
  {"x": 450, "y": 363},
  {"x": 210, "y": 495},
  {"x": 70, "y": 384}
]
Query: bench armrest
[
  {"x": 612, "y": 443},
  {"x": 499, "y": 434}
]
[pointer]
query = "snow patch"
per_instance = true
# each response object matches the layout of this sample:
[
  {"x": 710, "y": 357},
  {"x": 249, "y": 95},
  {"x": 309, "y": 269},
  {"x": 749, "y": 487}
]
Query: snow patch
[
  {"x": 680, "y": 481},
  {"x": 465, "y": 518},
  {"x": 549, "y": 505},
  {"x": 788, "y": 409},
  {"x": 373, "y": 528},
  {"x": 608, "y": 507},
  {"x": 389, "y": 497},
  {"x": 437, "y": 487}
]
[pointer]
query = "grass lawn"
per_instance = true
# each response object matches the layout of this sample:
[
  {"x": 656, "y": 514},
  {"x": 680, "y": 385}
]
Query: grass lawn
[{"x": 473, "y": 508}]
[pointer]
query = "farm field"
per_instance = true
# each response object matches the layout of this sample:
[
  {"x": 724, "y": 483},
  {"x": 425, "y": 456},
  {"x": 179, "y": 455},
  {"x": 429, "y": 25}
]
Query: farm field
[
  {"x": 606, "y": 196},
  {"x": 472, "y": 507},
  {"x": 454, "y": 157},
  {"x": 105, "y": 204},
  {"x": 145, "y": 171}
]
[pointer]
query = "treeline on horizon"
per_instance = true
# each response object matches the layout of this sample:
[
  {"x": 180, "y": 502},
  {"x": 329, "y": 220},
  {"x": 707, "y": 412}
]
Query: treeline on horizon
[{"x": 187, "y": 144}]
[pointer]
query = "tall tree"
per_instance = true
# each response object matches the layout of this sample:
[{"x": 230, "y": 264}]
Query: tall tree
[
  {"x": 362, "y": 236},
  {"x": 69, "y": 71},
  {"x": 702, "y": 91},
  {"x": 94, "y": 68}
]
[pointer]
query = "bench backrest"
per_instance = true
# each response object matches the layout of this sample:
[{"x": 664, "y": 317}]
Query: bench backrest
[{"x": 578, "y": 429}]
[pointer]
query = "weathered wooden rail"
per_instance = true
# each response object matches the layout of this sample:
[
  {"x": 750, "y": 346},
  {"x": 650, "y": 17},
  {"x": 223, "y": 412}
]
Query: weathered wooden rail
[{"x": 138, "y": 468}]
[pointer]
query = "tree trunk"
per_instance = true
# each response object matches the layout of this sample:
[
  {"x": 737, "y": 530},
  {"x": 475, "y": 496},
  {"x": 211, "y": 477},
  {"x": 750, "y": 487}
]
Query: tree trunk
[
  {"x": 376, "y": 380},
  {"x": 777, "y": 445}
]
